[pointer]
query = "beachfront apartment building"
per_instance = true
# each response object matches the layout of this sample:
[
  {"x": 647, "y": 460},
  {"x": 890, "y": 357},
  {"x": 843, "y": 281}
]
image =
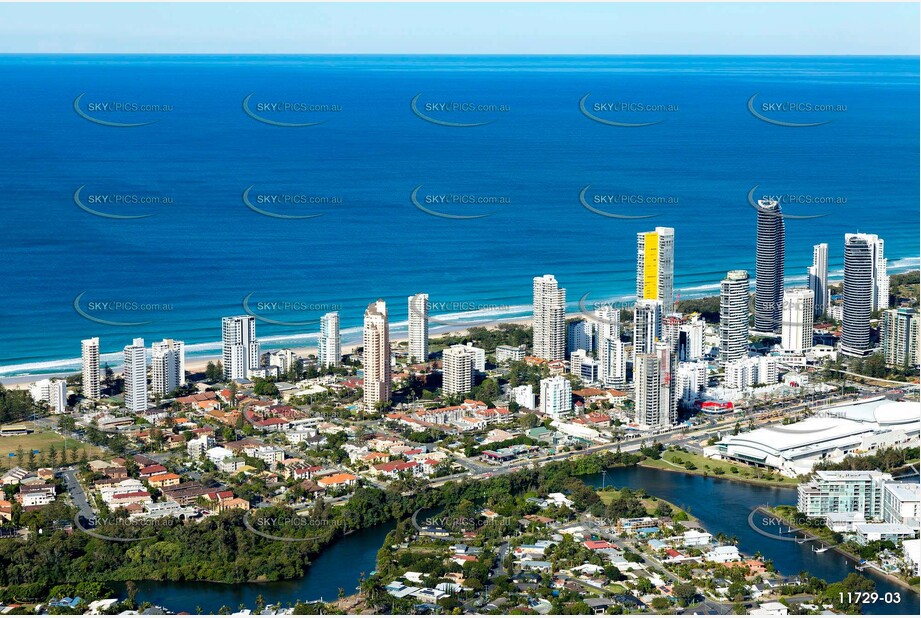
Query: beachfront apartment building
[
  {"x": 90, "y": 360},
  {"x": 167, "y": 366},
  {"x": 52, "y": 391},
  {"x": 329, "y": 350},
  {"x": 866, "y": 289},
  {"x": 418, "y": 325},
  {"x": 239, "y": 346},
  {"x": 818, "y": 277},
  {"x": 549, "y": 319},
  {"x": 769, "y": 262},
  {"x": 509, "y": 354},
  {"x": 655, "y": 267},
  {"x": 135, "y": 376},
  {"x": 376, "y": 359},
  {"x": 734, "y": 295}
]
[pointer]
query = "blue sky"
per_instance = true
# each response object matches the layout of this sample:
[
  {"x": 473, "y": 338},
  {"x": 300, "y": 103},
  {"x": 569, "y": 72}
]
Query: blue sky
[{"x": 471, "y": 28}]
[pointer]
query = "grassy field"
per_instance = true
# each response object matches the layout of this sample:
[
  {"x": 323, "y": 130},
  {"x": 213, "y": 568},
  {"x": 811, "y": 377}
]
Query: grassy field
[
  {"x": 704, "y": 466},
  {"x": 650, "y": 503},
  {"x": 41, "y": 441}
]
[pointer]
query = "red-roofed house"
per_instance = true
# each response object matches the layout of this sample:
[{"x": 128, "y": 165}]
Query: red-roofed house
[
  {"x": 394, "y": 468},
  {"x": 149, "y": 471},
  {"x": 596, "y": 545}
]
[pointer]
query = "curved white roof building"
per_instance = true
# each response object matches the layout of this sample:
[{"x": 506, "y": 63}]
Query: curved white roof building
[{"x": 841, "y": 430}]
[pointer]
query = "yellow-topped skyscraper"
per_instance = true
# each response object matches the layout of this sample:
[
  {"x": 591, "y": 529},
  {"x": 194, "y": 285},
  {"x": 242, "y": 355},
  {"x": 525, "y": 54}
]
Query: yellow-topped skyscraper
[{"x": 655, "y": 267}]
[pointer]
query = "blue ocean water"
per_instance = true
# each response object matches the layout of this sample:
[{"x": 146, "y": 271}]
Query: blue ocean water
[{"x": 202, "y": 250}]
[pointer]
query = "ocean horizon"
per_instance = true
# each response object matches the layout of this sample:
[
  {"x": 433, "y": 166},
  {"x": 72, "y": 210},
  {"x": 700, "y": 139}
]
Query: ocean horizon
[{"x": 148, "y": 196}]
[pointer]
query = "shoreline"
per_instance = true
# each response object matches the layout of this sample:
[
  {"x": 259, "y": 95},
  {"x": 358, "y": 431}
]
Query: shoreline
[
  {"x": 199, "y": 363},
  {"x": 848, "y": 555},
  {"x": 761, "y": 482}
]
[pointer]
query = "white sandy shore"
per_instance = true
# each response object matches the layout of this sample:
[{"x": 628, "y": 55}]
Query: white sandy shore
[{"x": 198, "y": 364}]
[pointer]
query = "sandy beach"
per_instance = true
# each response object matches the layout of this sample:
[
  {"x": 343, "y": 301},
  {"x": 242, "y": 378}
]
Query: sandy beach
[{"x": 198, "y": 364}]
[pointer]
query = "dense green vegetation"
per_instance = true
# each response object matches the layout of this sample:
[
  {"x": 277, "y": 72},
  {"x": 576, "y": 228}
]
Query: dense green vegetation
[
  {"x": 488, "y": 338},
  {"x": 15, "y": 405},
  {"x": 886, "y": 460},
  {"x": 904, "y": 285},
  {"x": 222, "y": 549},
  {"x": 708, "y": 307},
  {"x": 476, "y": 450}
]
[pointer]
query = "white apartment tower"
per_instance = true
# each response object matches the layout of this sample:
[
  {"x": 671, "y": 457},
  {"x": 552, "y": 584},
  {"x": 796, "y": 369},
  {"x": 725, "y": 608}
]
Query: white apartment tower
[
  {"x": 376, "y": 355},
  {"x": 167, "y": 366},
  {"x": 555, "y": 396},
  {"x": 136, "y": 377},
  {"x": 90, "y": 358},
  {"x": 797, "y": 319},
  {"x": 656, "y": 388},
  {"x": 240, "y": 346},
  {"x": 329, "y": 350},
  {"x": 549, "y": 319},
  {"x": 734, "y": 295},
  {"x": 419, "y": 327},
  {"x": 612, "y": 352},
  {"x": 818, "y": 277},
  {"x": 52, "y": 391},
  {"x": 901, "y": 337},
  {"x": 694, "y": 334},
  {"x": 457, "y": 370},
  {"x": 655, "y": 267},
  {"x": 647, "y": 325}
]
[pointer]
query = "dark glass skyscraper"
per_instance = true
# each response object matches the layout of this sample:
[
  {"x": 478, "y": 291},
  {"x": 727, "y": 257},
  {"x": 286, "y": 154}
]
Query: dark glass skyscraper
[
  {"x": 769, "y": 268},
  {"x": 858, "y": 294}
]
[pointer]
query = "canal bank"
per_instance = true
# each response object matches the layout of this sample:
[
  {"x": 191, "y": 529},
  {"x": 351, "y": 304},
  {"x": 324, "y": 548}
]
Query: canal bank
[
  {"x": 719, "y": 505},
  {"x": 864, "y": 565},
  {"x": 724, "y": 506},
  {"x": 339, "y": 566}
]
